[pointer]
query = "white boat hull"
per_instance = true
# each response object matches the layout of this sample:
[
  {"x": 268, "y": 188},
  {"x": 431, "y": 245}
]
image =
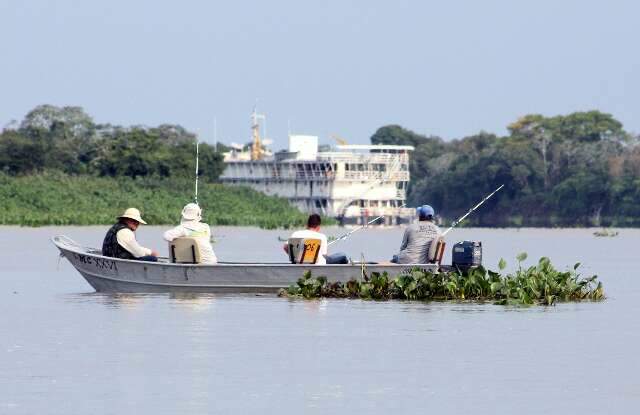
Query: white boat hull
[{"x": 115, "y": 275}]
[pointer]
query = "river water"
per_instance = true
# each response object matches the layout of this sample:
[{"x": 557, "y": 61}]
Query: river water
[{"x": 67, "y": 350}]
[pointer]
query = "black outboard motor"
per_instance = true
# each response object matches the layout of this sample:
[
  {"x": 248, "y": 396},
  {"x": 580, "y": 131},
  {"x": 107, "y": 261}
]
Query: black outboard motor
[{"x": 466, "y": 254}]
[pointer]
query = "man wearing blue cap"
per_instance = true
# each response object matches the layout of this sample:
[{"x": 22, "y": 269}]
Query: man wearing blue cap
[{"x": 418, "y": 238}]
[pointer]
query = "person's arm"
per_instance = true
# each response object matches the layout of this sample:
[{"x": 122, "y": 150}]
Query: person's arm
[
  {"x": 127, "y": 240},
  {"x": 324, "y": 246},
  {"x": 209, "y": 234},
  {"x": 405, "y": 239},
  {"x": 174, "y": 233}
]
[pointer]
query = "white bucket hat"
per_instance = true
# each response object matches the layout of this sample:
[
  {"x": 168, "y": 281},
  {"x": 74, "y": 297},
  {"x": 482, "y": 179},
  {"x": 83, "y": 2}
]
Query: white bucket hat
[
  {"x": 192, "y": 211},
  {"x": 132, "y": 213}
]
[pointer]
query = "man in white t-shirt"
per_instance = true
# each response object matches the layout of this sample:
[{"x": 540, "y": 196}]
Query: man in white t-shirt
[
  {"x": 313, "y": 232},
  {"x": 191, "y": 226}
]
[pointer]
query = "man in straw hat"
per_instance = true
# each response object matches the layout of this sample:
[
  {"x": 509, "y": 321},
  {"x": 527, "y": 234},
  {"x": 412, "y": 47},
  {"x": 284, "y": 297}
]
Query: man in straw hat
[
  {"x": 191, "y": 226},
  {"x": 120, "y": 241}
]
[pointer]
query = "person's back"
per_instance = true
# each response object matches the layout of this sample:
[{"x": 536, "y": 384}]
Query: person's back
[
  {"x": 418, "y": 238},
  {"x": 311, "y": 234},
  {"x": 190, "y": 226}
]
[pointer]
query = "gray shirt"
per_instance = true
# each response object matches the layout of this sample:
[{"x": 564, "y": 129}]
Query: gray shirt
[{"x": 416, "y": 242}]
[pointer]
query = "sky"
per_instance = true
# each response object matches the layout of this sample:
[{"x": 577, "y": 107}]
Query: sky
[{"x": 446, "y": 68}]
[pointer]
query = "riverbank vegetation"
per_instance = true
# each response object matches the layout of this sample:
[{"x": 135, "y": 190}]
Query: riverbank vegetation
[
  {"x": 59, "y": 167},
  {"x": 61, "y": 199},
  {"x": 68, "y": 140},
  {"x": 538, "y": 284},
  {"x": 582, "y": 169}
]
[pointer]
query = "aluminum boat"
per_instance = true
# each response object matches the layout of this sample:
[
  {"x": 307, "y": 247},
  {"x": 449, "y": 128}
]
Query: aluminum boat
[{"x": 115, "y": 275}]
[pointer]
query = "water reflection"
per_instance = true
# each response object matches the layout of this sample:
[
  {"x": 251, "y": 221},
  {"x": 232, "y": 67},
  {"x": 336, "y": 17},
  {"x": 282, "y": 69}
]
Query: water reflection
[
  {"x": 192, "y": 301},
  {"x": 118, "y": 300}
]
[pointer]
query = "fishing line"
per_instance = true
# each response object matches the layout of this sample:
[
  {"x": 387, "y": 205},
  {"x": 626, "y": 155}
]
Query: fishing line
[{"x": 197, "y": 157}]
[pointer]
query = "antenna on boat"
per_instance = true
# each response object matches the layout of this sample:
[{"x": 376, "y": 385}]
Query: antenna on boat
[{"x": 197, "y": 156}]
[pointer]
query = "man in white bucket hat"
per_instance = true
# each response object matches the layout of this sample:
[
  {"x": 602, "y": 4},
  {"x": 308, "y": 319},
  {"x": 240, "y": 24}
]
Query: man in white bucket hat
[
  {"x": 191, "y": 226},
  {"x": 120, "y": 241}
]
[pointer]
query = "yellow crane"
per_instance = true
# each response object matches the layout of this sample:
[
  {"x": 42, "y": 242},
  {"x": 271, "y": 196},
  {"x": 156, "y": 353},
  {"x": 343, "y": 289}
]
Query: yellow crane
[
  {"x": 341, "y": 141},
  {"x": 256, "y": 147}
]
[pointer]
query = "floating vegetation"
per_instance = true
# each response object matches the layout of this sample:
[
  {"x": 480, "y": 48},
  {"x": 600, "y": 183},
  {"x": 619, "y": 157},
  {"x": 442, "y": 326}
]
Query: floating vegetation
[
  {"x": 45, "y": 199},
  {"x": 539, "y": 284},
  {"x": 605, "y": 233}
]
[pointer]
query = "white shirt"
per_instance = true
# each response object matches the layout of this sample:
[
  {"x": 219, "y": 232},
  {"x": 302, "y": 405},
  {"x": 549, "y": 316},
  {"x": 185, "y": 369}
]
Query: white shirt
[
  {"x": 309, "y": 234},
  {"x": 127, "y": 239},
  {"x": 201, "y": 233}
]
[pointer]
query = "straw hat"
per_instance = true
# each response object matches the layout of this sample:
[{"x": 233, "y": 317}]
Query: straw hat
[
  {"x": 132, "y": 213},
  {"x": 192, "y": 211}
]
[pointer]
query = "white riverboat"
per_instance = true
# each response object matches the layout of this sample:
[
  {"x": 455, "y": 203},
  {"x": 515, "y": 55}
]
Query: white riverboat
[
  {"x": 115, "y": 275},
  {"x": 349, "y": 182}
]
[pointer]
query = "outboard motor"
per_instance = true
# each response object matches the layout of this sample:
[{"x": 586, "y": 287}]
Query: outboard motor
[{"x": 466, "y": 254}]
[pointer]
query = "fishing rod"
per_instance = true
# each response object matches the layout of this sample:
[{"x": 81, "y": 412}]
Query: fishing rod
[
  {"x": 197, "y": 156},
  {"x": 454, "y": 224},
  {"x": 346, "y": 235}
]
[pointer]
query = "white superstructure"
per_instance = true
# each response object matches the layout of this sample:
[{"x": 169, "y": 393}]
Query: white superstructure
[{"x": 353, "y": 183}]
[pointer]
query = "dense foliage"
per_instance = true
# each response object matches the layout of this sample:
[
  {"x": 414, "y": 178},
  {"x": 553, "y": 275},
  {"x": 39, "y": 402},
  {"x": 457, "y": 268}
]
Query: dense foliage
[
  {"x": 60, "y": 199},
  {"x": 575, "y": 170},
  {"x": 538, "y": 284},
  {"x": 67, "y": 139}
]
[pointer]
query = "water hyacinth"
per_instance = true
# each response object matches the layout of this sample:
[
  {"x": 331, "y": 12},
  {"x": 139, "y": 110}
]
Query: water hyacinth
[
  {"x": 539, "y": 284},
  {"x": 44, "y": 199}
]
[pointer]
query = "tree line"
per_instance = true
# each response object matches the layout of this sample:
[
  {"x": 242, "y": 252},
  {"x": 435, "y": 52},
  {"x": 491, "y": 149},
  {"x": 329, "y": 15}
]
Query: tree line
[
  {"x": 581, "y": 169},
  {"x": 67, "y": 139}
]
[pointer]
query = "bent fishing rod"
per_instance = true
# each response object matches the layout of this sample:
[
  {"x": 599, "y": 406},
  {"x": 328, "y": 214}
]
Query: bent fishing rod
[
  {"x": 463, "y": 217},
  {"x": 348, "y": 234},
  {"x": 453, "y": 225}
]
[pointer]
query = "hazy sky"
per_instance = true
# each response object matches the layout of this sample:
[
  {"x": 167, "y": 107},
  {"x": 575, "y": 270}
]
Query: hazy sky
[{"x": 450, "y": 68}]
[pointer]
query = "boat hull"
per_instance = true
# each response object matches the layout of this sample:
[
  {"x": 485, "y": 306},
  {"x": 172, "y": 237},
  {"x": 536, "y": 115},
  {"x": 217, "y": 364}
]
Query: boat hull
[{"x": 114, "y": 275}]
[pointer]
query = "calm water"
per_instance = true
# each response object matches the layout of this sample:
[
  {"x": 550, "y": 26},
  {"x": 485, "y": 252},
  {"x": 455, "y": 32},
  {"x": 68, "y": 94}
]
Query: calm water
[{"x": 67, "y": 350}]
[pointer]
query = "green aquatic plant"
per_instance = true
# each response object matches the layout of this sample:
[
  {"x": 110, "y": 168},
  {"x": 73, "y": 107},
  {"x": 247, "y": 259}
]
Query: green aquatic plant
[
  {"x": 44, "y": 199},
  {"x": 538, "y": 284}
]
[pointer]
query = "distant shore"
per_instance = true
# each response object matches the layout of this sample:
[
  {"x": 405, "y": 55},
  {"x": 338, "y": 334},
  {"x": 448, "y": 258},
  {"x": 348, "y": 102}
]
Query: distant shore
[
  {"x": 54, "y": 199},
  {"x": 60, "y": 199}
]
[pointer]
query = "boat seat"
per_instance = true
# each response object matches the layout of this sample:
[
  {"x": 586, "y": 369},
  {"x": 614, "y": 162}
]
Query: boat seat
[
  {"x": 303, "y": 250},
  {"x": 184, "y": 250},
  {"x": 436, "y": 250}
]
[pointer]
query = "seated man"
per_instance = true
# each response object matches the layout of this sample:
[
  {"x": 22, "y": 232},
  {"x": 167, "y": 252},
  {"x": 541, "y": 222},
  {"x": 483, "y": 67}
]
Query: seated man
[
  {"x": 191, "y": 226},
  {"x": 120, "y": 241},
  {"x": 313, "y": 232},
  {"x": 418, "y": 238}
]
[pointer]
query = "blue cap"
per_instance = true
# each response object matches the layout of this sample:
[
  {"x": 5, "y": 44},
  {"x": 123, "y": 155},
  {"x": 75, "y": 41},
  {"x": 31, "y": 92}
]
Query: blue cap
[{"x": 426, "y": 210}]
